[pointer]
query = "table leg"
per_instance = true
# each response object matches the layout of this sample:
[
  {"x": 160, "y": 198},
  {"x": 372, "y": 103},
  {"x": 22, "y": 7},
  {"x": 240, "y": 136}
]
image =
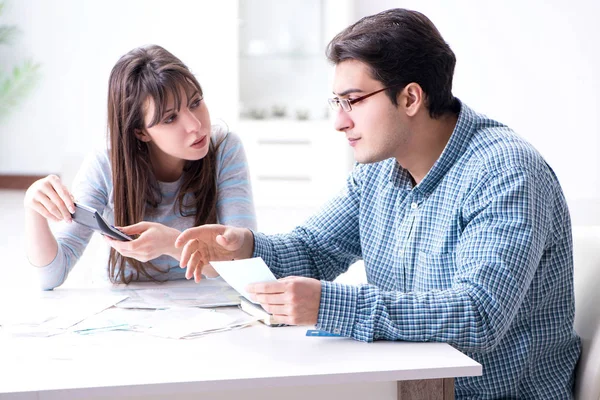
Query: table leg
[{"x": 426, "y": 389}]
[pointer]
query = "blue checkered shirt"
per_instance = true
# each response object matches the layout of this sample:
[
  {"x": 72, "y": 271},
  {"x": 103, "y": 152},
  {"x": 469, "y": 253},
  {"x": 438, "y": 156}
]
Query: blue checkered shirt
[{"x": 477, "y": 255}]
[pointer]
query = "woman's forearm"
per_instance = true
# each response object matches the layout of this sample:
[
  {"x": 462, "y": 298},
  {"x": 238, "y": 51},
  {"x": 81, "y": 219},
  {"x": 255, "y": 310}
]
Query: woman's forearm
[{"x": 41, "y": 246}]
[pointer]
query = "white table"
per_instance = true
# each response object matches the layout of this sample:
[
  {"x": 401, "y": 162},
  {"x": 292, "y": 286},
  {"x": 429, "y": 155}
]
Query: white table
[{"x": 250, "y": 363}]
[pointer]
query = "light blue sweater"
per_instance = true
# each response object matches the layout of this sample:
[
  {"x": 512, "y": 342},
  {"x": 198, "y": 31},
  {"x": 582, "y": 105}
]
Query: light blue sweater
[{"x": 93, "y": 187}]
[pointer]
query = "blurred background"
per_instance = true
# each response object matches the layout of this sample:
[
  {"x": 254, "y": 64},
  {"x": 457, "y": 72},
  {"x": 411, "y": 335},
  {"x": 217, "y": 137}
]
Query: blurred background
[{"x": 531, "y": 65}]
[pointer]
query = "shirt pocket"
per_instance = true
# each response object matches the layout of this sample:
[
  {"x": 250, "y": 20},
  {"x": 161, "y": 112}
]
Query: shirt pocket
[{"x": 434, "y": 271}]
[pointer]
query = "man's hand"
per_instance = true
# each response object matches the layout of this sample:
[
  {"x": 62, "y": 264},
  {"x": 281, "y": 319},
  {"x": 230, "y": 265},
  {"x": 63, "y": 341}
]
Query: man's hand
[
  {"x": 292, "y": 300},
  {"x": 154, "y": 240},
  {"x": 212, "y": 243}
]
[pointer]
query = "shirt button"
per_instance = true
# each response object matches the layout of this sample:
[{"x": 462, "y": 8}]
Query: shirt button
[
  {"x": 337, "y": 331},
  {"x": 414, "y": 206}
]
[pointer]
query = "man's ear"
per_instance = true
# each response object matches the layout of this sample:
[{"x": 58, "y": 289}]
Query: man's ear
[
  {"x": 412, "y": 99},
  {"x": 142, "y": 135}
]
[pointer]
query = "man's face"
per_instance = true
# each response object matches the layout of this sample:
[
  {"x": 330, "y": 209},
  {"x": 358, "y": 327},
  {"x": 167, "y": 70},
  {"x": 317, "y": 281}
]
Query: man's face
[{"x": 374, "y": 127}]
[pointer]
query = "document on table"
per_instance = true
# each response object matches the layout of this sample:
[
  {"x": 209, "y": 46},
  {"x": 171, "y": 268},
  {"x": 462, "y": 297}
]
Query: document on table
[
  {"x": 207, "y": 293},
  {"x": 50, "y": 313},
  {"x": 188, "y": 323},
  {"x": 240, "y": 273},
  {"x": 174, "y": 323}
]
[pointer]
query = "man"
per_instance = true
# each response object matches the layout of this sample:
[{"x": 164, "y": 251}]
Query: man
[{"x": 463, "y": 227}]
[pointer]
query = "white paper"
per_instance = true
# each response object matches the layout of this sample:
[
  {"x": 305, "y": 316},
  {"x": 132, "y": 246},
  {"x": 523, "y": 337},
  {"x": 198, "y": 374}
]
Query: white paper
[
  {"x": 207, "y": 293},
  {"x": 49, "y": 313},
  {"x": 177, "y": 323},
  {"x": 241, "y": 273},
  {"x": 174, "y": 323},
  {"x": 81, "y": 310},
  {"x": 114, "y": 319}
]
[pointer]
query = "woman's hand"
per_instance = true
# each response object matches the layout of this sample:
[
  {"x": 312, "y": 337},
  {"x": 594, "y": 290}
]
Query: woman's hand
[
  {"x": 46, "y": 200},
  {"x": 51, "y": 199},
  {"x": 153, "y": 241}
]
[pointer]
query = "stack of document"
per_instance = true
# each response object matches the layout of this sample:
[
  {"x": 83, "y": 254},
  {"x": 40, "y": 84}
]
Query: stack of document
[
  {"x": 172, "y": 310},
  {"x": 207, "y": 293}
]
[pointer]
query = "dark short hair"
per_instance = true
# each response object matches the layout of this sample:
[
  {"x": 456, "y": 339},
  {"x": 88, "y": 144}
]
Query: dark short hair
[{"x": 401, "y": 46}]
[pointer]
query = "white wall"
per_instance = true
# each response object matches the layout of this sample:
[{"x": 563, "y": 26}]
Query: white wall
[
  {"x": 532, "y": 65},
  {"x": 78, "y": 42}
]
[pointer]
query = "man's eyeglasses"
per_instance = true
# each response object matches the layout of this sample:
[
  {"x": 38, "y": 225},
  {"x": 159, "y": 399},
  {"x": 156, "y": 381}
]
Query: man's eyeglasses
[{"x": 346, "y": 105}]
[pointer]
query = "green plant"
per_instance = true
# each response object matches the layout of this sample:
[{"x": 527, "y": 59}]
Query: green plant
[{"x": 15, "y": 84}]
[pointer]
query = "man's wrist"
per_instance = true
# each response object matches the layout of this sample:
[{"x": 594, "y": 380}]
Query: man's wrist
[{"x": 248, "y": 246}]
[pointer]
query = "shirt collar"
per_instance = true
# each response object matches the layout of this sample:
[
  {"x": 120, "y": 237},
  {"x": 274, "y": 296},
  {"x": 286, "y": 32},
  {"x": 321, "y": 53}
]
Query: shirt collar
[
  {"x": 459, "y": 140},
  {"x": 399, "y": 176}
]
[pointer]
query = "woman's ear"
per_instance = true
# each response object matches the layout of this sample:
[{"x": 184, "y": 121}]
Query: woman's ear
[{"x": 142, "y": 135}]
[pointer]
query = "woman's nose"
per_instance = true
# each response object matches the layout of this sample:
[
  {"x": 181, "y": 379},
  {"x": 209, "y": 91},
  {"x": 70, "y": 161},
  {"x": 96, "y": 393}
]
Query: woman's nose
[{"x": 192, "y": 123}]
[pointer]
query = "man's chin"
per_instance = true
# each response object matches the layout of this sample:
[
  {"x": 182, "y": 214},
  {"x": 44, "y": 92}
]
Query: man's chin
[{"x": 367, "y": 159}]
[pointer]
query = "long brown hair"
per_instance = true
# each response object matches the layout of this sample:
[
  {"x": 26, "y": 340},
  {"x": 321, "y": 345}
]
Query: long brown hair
[{"x": 150, "y": 72}]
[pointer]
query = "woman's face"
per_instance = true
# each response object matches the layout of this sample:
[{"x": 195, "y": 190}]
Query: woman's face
[{"x": 179, "y": 136}]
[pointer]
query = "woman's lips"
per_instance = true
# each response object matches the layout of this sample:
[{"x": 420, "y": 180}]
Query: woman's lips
[{"x": 198, "y": 144}]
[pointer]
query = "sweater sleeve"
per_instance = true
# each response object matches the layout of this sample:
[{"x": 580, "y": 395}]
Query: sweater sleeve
[
  {"x": 235, "y": 204},
  {"x": 91, "y": 187}
]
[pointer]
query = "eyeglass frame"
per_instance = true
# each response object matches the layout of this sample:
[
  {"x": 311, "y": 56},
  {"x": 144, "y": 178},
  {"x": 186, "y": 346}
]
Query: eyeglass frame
[{"x": 335, "y": 103}]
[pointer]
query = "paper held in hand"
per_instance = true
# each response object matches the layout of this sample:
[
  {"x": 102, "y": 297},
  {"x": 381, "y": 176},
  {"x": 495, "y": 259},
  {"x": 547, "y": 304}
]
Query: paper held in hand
[{"x": 241, "y": 273}]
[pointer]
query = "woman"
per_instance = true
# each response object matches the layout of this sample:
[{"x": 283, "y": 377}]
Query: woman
[{"x": 166, "y": 170}]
